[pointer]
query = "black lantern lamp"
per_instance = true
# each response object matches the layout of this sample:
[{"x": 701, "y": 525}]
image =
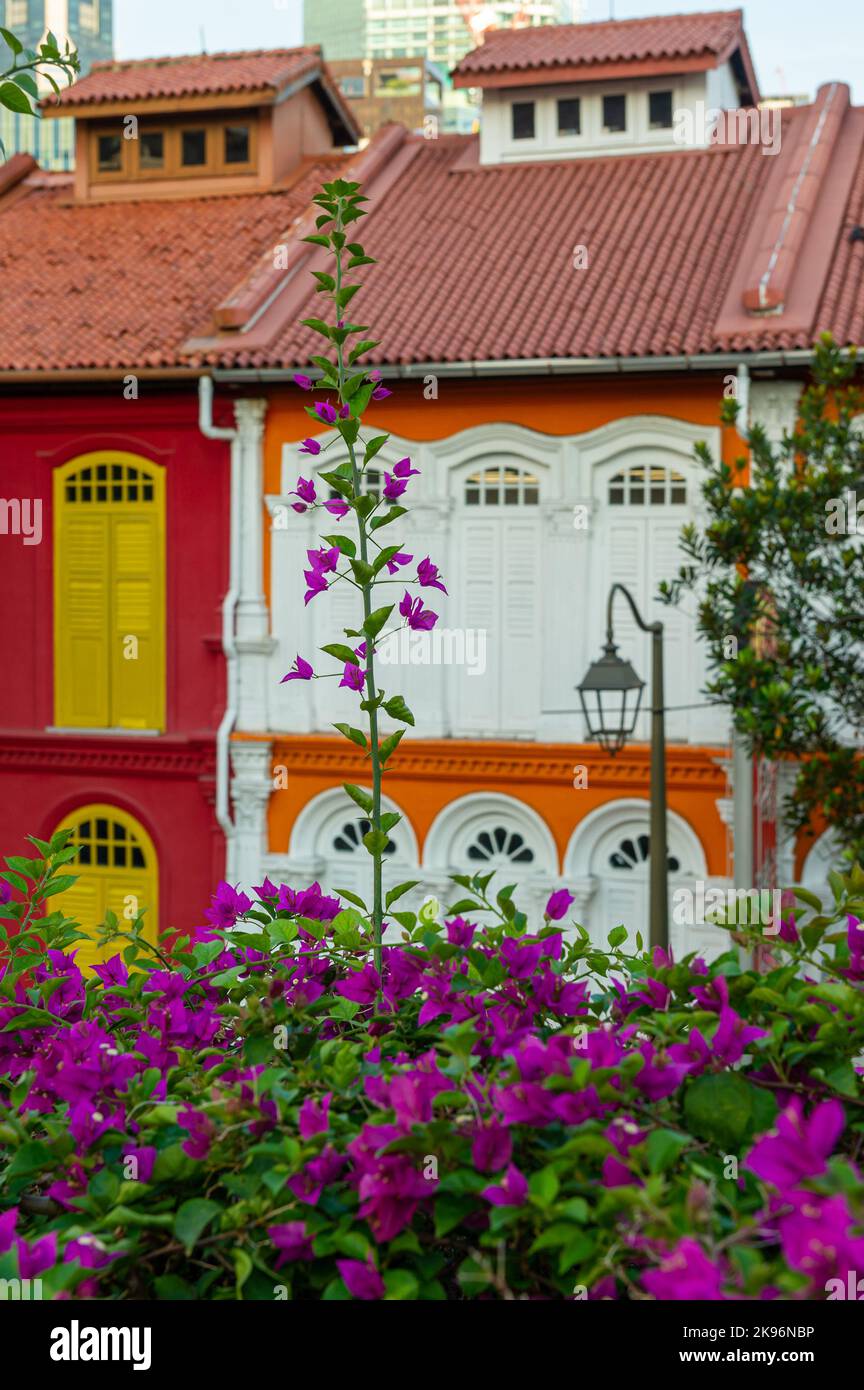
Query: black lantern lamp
[{"x": 611, "y": 694}]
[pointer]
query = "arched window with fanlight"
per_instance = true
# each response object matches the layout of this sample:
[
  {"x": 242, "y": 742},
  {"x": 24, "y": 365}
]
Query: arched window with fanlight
[
  {"x": 497, "y": 563},
  {"x": 647, "y": 485},
  {"x": 109, "y": 592},
  {"x": 117, "y": 871}
]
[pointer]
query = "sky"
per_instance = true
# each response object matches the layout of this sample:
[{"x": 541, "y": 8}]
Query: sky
[{"x": 795, "y": 44}]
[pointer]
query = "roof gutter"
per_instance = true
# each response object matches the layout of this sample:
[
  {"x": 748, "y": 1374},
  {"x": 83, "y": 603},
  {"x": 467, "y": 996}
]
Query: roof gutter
[{"x": 551, "y": 366}]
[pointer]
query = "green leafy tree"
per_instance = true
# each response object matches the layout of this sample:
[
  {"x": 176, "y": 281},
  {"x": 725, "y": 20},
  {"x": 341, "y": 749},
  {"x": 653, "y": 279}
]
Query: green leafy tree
[
  {"x": 779, "y": 574},
  {"x": 19, "y": 90}
]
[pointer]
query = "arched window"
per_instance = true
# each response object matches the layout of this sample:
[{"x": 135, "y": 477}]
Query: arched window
[
  {"x": 109, "y": 592},
  {"x": 497, "y": 844},
  {"x": 634, "y": 850},
  {"x": 502, "y": 487},
  {"x": 350, "y": 838},
  {"x": 117, "y": 872},
  {"x": 648, "y": 485}
]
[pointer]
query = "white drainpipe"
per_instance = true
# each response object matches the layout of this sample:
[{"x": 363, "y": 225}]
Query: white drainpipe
[
  {"x": 229, "y": 604},
  {"x": 742, "y": 396}
]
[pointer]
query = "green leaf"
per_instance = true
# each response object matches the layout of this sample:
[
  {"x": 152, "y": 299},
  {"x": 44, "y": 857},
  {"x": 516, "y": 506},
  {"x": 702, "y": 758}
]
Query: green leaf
[
  {"x": 340, "y": 652},
  {"x": 389, "y": 745},
  {"x": 376, "y": 620},
  {"x": 351, "y": 898},
  {"x": 397, "y": 709},
  {"x": 30, "y": 1158},
  {"x": 664, "y": 1146},
  {"x": 375, "y": 446},
  {"x": 393, "y": 514},
  {"x": 719, "y": 1107},
  {"x": 11, "y": 41},
  {"x": 376, "y": 841},
  {"x": 543, "y": 1186},
  {"x": 400, "y": 1285},
  {"x": 362, "y": 799},
  {"x": 318, "y": 326},
  {"x": 355, "y": 735},
  {"x": 401, "y": 888},
  {"x": 192, "y": 1218},
  {"x": 344, "y": 544},
  {"x": 317, "y": 240},
  {"x": 450, "y": 1211},
  {"x": 12, "y": 97}
]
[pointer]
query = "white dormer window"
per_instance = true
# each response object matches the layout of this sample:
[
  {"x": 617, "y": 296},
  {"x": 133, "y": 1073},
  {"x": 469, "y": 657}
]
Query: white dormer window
[
  {"x": 615, "y": 113},
  {"x": 569, "y": 116},
  {"x": 522, "y": 116},
  {"x": 659, "y": 110}
]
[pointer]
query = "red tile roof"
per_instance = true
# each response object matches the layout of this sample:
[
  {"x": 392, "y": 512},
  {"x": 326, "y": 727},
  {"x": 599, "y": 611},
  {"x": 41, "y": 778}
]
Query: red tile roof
[
  {"x": 201, "y": 74},
  {"x": 476, "y": 264},
  {"x": 708, "y": 35},
  {"x": 122, "y": 285}
]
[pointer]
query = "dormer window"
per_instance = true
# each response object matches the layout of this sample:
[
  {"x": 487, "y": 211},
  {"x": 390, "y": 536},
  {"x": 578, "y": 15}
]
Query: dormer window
[
  {"x": 152, "y": 152},
  {"x": 193, "y": 148},
  {"x": 523, "y": 120},
  {"x": 615, "y": 114},
  {"x": 569, "y": 116},
  {"x": 109, "y": 154},
  {"x": 660, "y": 110},
  {"x": 236, "y": 144}
]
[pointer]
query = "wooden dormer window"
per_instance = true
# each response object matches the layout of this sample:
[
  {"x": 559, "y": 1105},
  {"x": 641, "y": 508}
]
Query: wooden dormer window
[{"x": 175, "y": 149}]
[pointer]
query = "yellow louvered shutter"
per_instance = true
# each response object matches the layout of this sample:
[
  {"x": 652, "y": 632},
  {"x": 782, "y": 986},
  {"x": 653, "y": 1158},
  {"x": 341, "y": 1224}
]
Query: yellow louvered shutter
[
  {"x": 82, "y": 579},
  {"x": 109, "y": 593},
  {"x": 137, "y": 641}
]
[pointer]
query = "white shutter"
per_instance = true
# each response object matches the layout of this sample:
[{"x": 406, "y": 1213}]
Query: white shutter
[
  {"x": 518, "y": 635},
  {"x": 679, "y": 635},
  {"x": 478, "y": 603}
]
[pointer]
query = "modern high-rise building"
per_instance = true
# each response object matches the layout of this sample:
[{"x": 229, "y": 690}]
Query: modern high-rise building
[
  {"x": 442, "y": 31},
  {"x": 89, "y": 26}
]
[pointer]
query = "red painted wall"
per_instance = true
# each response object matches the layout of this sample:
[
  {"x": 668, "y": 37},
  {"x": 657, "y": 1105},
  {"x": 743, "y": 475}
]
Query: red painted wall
[{"x": 166, "y": 782}]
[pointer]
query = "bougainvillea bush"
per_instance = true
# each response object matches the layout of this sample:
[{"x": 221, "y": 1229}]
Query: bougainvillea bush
[{"x": 498, "y": 1113}]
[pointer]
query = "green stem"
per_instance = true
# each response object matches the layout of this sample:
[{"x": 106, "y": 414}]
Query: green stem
[{"x": 371, "y": 693}]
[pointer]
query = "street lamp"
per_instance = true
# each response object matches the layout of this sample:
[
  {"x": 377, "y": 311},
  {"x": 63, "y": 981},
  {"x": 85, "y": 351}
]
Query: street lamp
[{"x": 611, "y": 694}]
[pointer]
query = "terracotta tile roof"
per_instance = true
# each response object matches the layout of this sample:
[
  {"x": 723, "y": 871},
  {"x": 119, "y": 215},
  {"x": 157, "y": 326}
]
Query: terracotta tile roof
[
  {"x": 476, "y": 264},
  {"x": 122, "y": 285},
  {"x": 201, "y": 74},
  {"x": 610, "y": 41}
]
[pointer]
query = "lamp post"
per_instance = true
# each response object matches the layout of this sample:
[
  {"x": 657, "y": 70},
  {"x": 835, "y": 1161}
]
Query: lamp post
[{"x": 611, "y": 694}]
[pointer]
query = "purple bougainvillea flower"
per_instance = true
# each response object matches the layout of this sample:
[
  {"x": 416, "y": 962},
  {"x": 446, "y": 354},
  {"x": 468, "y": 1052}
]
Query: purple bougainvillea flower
[
  {"x": 855, "y": 942},
  {"x": 291, "y": 1241},
  {"x": 353, "y": 676},
  {"x": 314, "y": 1116},
  {"x": 266, "y": 889},
  {"x": 33, "y": 1260},
  {"x": 394, "y": 487},
  {"x": 817, "y": 1239},
  {"x": 492, "y": 1147},
  {"x": 6, "y": 891},
  {"x": 733, "y": 1037},
  {"x": 7, "y": 1229},
  {"x": 300, "y": 671},
  {"x": 512, "y": 1192},
  {"x": 310, "y": 446},
  {"x": 315, "y": 584},
  {"x": 320, "y": 1172},
  {"x": 362, "y": 986},
  {"x": 460, "y": 932},
  {"x": 558, "y": 905},
  {"x": 427, "y": 576},
  {"x": 714, "y": 996},
  {"x": 661, "y": 1074},
  {"x": 304, "y": 382},
  {"x": 336, "y": 507},
  {"x": 201, "y": 1130},
  {"x": 521, "y": 957},
  {"x": 309, "y": 902},
  {"x": 686, "y": 1273},
  {"x": 418, "y": 618},
  {"x": 305, "y": 490},
  {"x": 362, "y": 1279},
  {"x": 614, "y": 1173},
  {"x": 798, "y": 1148},
  {"x": 90, "y": 1253},
  {"x": 228, "y": 904},
  {"x": 403, "y": 469},
  {"x": 325, "y": 560},
  {"x": 326, "y": 412},
  {"x": 145, "y": 1158},
  {"x": 381, "y": 393},
  {"x": 401, "y": 558},
  {"x": 694, "y": 1053}
]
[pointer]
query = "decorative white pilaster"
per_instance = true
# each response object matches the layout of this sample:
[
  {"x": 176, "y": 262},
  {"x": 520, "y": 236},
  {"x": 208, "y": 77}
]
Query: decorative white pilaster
[
  {"x": 251, "y": 786},
  {"x": 566, "y": 554}
]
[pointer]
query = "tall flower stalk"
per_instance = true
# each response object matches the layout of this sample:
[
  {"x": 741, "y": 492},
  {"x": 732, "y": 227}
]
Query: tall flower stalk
[{"x": 363, "y": 563}]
